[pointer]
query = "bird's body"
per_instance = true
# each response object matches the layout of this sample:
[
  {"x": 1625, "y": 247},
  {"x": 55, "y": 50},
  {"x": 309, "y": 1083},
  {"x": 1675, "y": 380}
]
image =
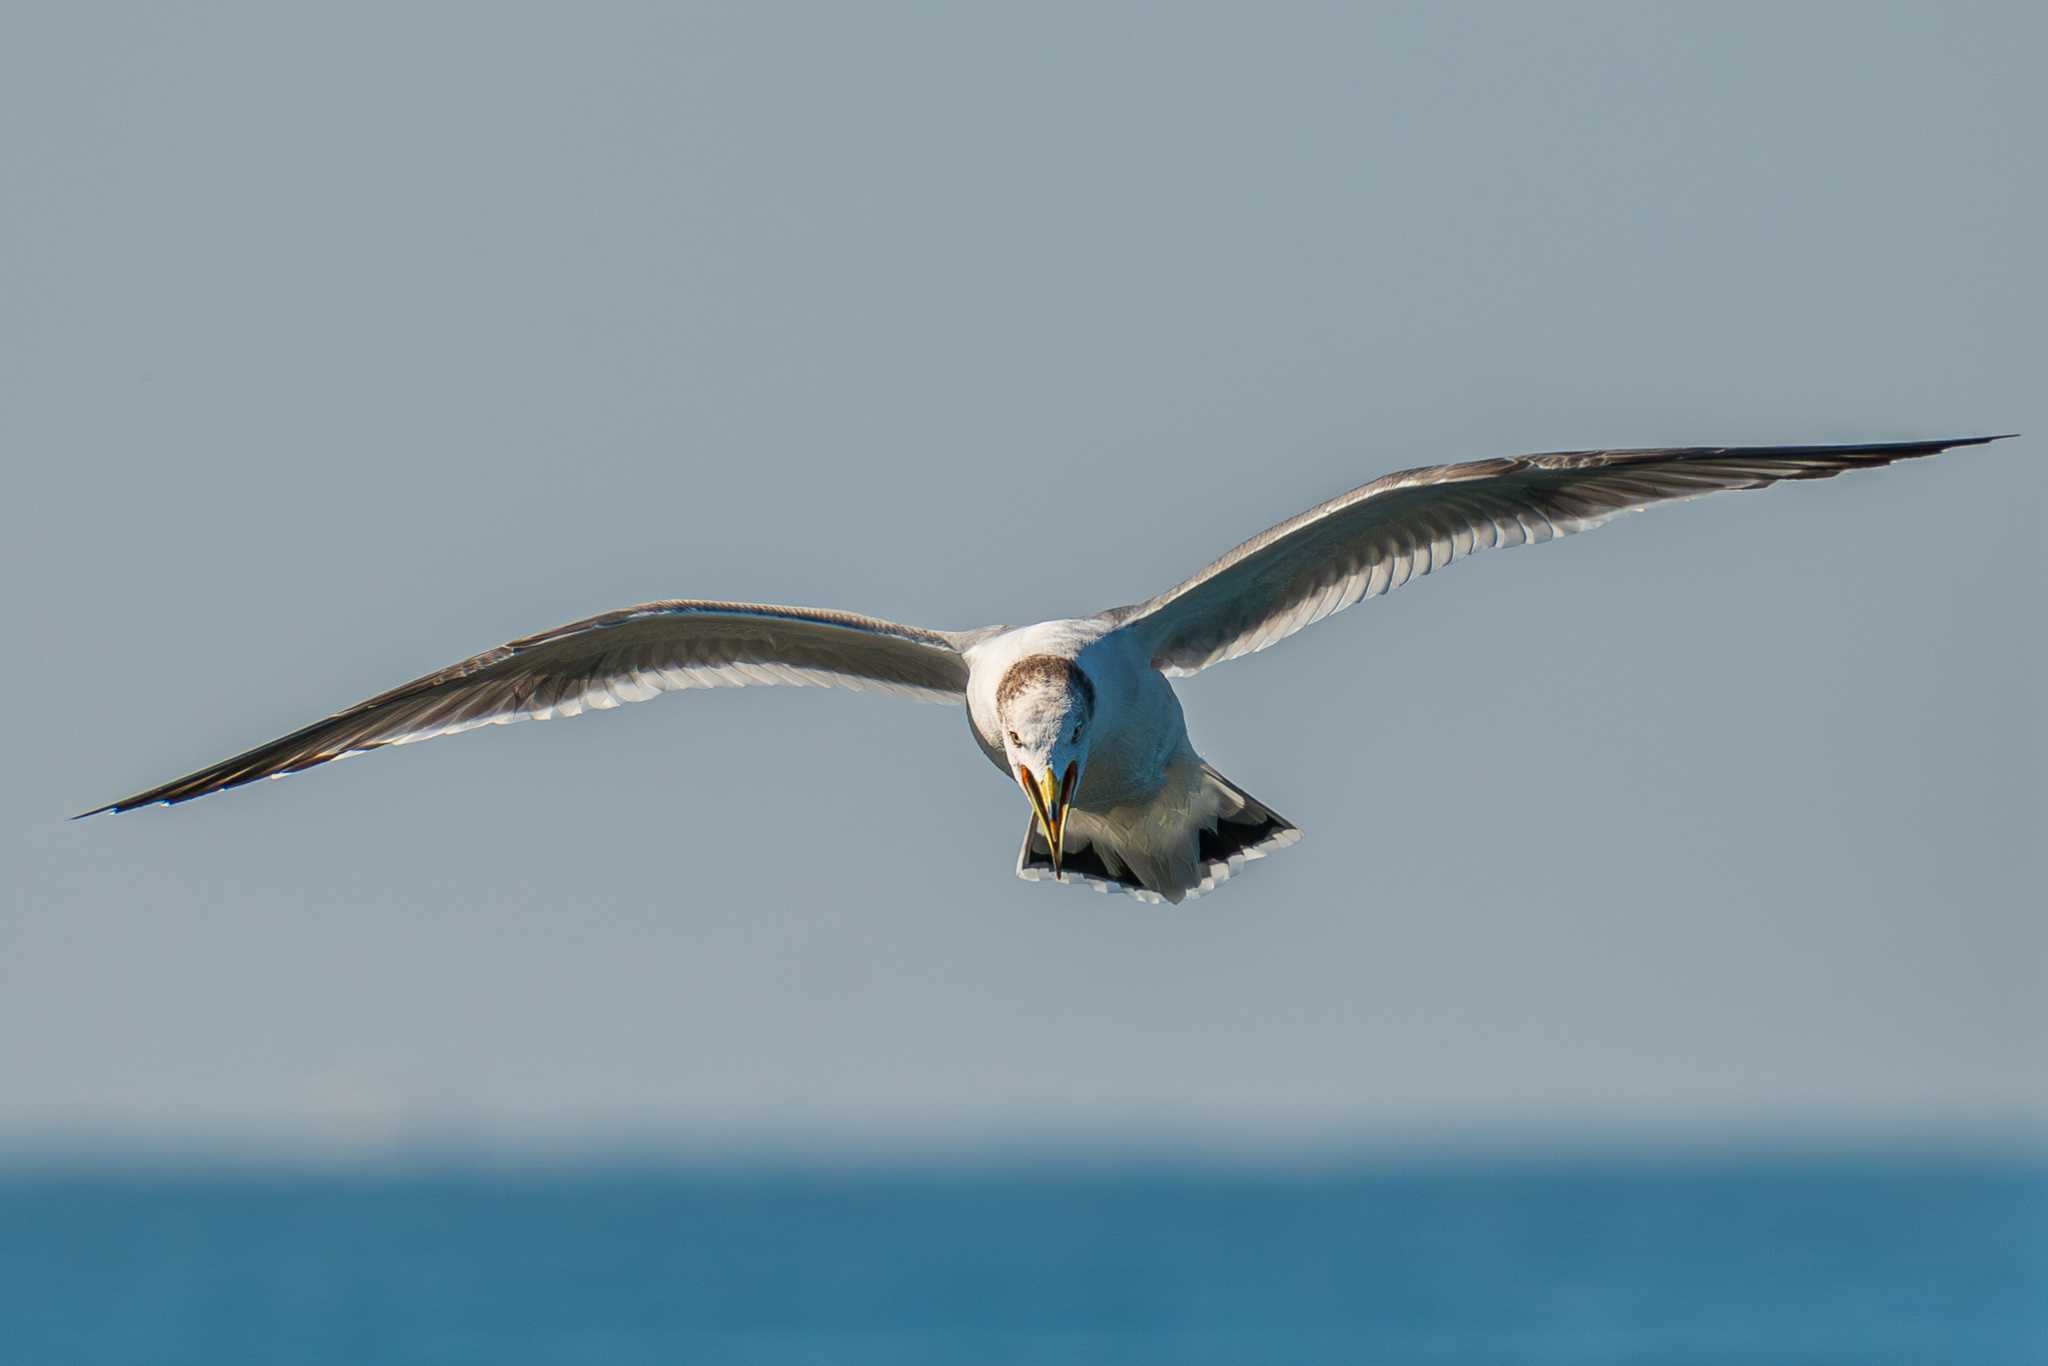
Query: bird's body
[
  {"x": 1081, "y": 712},
  {"x": 1151, "y": 818}
]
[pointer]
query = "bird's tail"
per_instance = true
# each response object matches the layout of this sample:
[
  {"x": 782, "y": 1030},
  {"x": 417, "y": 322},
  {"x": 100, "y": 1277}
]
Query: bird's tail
[{"x": 1199, "y": 829}]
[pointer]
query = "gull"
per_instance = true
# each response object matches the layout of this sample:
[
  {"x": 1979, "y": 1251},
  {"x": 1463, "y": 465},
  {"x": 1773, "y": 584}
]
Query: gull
[{"x": 1079, "y": 713}]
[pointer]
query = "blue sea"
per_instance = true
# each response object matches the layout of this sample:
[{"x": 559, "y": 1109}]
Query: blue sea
[{"x": 1717, "y": 1262}]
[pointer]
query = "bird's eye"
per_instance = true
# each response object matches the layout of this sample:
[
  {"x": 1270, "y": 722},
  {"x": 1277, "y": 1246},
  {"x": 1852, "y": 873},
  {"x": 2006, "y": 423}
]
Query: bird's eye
[
  {"x": 1077, "y": 735},
  {"x": 1016, "y": 741}
]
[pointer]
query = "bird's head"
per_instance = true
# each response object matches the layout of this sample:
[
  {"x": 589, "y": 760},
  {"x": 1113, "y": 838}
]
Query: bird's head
[{"x": 1046, "y": 707}]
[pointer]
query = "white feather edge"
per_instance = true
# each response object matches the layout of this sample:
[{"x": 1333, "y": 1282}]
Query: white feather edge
[{"x": 1215, "y": 872}]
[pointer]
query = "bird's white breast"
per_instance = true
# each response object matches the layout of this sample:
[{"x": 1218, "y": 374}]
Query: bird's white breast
[{"x": 1138, "y": 727}]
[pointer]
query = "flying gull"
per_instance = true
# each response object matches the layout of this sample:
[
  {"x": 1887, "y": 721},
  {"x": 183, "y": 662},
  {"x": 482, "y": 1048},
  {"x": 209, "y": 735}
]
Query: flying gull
[{"x": 1078, "y": 713}]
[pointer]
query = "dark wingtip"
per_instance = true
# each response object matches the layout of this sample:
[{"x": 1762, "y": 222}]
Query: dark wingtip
[
  {"x": 1950, "y": 443},
  {"x": 1937, "y": 445},
  {"x": 1941, "y": 443},
  {"x": 135, "y": 803}
]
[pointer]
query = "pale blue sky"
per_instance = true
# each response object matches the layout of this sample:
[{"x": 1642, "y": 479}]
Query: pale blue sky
[{"x": 339, "y": 342}]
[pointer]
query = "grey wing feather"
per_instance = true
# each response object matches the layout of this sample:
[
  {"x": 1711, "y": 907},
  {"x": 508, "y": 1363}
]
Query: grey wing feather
[
  {"x": 1381, "y": 535},
  {"x": 624, "y": 656}
]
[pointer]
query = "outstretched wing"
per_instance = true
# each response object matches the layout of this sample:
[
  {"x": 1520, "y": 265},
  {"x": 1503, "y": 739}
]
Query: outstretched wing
[
  {"x": 623, "y": 656},
  {"x": 1380, "y": 535}
]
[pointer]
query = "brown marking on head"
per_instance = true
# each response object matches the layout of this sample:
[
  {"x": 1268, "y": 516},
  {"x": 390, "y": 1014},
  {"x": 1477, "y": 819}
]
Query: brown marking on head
[{"x": 1045, "y": 671}]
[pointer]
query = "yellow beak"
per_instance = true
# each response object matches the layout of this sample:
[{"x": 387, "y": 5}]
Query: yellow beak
[{"x": 1050, "y": 799}]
